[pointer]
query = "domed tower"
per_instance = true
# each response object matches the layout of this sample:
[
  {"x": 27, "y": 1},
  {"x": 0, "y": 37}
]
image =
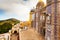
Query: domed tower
[{"x": 40, "y": 4}]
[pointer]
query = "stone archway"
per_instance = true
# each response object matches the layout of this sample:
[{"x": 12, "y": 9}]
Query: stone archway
[{"x": 15, "y": 32}]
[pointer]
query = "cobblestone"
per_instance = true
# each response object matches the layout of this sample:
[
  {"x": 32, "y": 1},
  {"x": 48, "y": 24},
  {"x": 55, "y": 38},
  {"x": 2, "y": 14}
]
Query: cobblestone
[{"x": 30, "y": 34}]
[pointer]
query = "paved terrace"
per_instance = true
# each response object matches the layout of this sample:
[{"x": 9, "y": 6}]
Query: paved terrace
[{"x": 30, "y": 34}]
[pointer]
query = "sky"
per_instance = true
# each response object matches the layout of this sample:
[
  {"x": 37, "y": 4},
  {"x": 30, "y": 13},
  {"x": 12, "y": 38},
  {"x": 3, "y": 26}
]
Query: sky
[{"x": 17, "y": 9}]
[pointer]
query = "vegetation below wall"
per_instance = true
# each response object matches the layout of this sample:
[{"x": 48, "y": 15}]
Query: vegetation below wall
[{"x": 6, "y": 25}]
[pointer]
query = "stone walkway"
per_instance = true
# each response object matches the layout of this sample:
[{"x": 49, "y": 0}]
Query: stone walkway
[
  {"x": 30, "y": 34},
  {"x": 14, "y": 37}
]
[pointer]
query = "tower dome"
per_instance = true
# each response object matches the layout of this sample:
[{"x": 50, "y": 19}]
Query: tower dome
[{"x": 40, "y": 4}]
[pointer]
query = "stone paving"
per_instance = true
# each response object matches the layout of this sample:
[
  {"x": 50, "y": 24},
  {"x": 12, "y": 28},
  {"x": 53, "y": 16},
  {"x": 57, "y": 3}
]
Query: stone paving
[
  {"x": 30, "y": 34},
  {"x": 14, "y": 37}
]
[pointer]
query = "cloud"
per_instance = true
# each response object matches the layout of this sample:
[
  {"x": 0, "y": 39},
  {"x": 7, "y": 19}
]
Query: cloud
[{"x": 18, "y": 10}]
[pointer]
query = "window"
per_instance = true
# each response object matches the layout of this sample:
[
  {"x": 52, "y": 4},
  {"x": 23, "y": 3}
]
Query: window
[
  {"x": 36, "y": 14},
  {"x": 43, "y": 17},
  {"x": 40, "y": 17},
  {"x": 36, "y": 24},
  {"x": 33, "y": 16}
]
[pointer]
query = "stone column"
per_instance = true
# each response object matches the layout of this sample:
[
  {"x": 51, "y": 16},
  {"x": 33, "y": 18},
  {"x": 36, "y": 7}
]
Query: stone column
[{"x": 53, "y": 28}]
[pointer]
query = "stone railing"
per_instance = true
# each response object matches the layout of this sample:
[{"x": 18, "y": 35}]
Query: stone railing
[{"x": 5, "y": 36}]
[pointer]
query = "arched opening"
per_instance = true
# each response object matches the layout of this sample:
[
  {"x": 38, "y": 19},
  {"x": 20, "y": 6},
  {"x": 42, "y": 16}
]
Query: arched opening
[{"x": 15, "y": 32}]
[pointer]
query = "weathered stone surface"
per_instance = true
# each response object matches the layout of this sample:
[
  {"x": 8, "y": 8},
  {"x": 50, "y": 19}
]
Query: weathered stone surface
[{"x": 55, "y": 20}]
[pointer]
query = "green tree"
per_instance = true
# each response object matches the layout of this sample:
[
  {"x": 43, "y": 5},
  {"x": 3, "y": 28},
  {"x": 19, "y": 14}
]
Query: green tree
[{"x": 5, "y": 27}]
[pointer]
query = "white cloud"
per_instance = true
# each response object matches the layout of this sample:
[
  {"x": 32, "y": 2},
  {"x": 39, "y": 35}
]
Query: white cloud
[{"x": 20, "y": 11}]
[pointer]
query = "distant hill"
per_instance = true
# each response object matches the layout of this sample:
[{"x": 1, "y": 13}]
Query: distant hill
[
  {"x": 6, "y": 25},
  {"x": 11, "y": 21}
]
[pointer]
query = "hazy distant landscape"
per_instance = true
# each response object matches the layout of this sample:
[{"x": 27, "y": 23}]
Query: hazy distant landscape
[{"x": 6, "y": 25}]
